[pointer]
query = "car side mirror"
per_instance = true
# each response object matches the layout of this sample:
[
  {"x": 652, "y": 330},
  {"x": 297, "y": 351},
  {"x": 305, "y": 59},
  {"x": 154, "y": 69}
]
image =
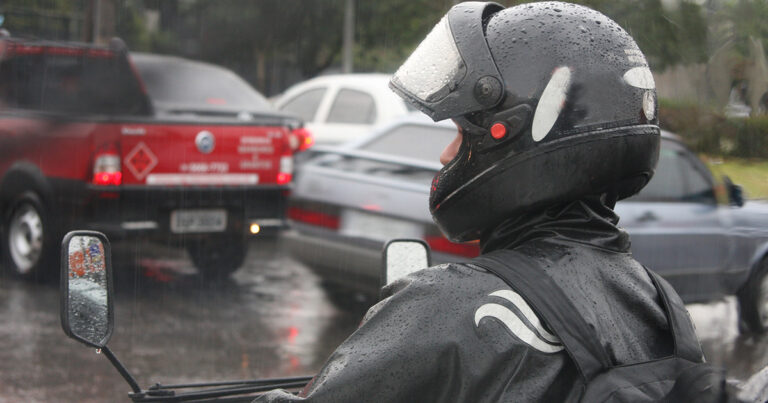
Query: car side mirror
[
  {"x": 86, "y": 288},
  {"x": 735, "y": 192},
  {"x": 402, "y": 257}
]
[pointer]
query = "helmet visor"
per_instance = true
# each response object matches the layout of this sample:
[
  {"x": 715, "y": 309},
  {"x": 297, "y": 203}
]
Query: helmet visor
[{"x": 434, "y": 68}]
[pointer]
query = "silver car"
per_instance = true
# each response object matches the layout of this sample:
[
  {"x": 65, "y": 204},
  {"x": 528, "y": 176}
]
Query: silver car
[{"x": 347, "y": 202}]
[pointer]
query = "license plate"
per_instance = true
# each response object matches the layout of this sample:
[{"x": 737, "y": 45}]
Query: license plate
[
  {"x": 373, "y": 226},
  {"x": 188, "y": 221}
]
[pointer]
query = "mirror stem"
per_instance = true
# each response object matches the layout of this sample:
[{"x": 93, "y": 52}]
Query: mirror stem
[{"x": 121, "y": 369}]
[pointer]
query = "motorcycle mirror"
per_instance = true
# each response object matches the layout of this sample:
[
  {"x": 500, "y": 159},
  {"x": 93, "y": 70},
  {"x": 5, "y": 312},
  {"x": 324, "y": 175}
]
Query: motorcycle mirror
[
  {"x": 86, "y": 288},
  {"x": 402, "y": 257}
]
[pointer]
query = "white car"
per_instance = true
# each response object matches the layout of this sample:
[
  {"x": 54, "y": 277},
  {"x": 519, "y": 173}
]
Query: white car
[{"x": 343, "y": 107}]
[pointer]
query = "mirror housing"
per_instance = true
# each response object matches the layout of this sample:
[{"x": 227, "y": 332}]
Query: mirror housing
[
  {"x": 86, "y": 288},
  {"x": 402, "y": 257},
  {"x": 735, "y": 192}
]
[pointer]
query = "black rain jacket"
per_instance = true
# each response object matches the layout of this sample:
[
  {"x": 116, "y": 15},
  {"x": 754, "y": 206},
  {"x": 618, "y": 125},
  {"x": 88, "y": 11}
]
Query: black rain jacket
[{"x": 445, "y": 334}]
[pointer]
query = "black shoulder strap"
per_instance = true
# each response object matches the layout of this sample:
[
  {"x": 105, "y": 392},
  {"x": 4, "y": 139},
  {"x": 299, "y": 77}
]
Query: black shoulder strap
[
  {"x": 686, "y": 343},
  {"x": 556, "y": 309},
  {"x": 521, "y": 273}
]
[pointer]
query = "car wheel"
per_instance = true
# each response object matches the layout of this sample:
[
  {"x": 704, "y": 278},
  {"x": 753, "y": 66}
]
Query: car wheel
[
  {"x": 753, "y": 301},
  {"x": 27, "y": 239},
  {"x": 218, "y": 257}
]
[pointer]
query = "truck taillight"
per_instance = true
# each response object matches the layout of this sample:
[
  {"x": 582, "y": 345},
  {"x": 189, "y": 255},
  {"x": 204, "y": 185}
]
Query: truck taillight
[
  {"x": 285, "y": 174},
  {"x": 301, "y": 139},
  {"x": 106, "y": 170}
]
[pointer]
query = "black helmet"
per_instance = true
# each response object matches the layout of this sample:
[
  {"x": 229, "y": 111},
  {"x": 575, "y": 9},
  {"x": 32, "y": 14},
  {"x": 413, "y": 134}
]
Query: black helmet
[{"x": 555, "y": 101}]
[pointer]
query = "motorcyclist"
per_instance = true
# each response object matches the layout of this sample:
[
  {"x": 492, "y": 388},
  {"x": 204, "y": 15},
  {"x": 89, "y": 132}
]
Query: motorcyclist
[{"x": 556, "y": 110}]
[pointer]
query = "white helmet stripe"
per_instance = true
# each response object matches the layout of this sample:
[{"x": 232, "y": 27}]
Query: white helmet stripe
[
  {"x": 551, "y": 103},
  {"x": 640, "y": 77}
]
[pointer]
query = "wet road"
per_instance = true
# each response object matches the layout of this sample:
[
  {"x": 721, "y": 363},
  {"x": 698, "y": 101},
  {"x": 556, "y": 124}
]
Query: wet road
[{"x": 271, "y": 319}]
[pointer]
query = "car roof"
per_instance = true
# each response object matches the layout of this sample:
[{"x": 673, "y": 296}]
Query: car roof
[
  {"x": 350, "y": 78},
  {"x": 377, "y": 82},
  {"x": 153, "y": 58}
]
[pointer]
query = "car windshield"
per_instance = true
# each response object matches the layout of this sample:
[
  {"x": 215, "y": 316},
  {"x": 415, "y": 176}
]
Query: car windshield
[
  {"x": 182, "y": 84},
  {"x": 77, "y": 83}
]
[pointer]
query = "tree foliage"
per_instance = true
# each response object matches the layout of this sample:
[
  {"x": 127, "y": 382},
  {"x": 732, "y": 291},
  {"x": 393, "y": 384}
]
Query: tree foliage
[
  {"x": 736, "y": 21},
  {"x": 305, "y": 36}
]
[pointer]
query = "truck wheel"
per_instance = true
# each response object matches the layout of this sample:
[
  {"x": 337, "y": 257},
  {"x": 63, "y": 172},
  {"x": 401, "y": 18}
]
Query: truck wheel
[
  {"x": 753, "y": 300},
  {"x": 218, "y": 257},
  {"x": 27, "y": 242}
]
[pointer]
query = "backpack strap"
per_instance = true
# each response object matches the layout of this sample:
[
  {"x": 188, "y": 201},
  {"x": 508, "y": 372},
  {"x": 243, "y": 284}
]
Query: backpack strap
[
  {"x": 549, "y": 301},
  {"x": 686, "y": 343},
  {"x": 580, "y": 340}
]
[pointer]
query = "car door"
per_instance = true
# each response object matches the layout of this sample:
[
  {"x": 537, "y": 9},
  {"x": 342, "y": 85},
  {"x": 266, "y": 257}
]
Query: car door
[{"x": 676, "y": 226}]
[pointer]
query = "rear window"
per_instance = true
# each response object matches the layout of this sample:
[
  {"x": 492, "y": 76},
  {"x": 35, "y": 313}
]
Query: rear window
[
  {"x": 667, "y": 183},
  {"x": 173, "y": 81},
  {"x": 71, "y": 83},
  {"x": 413, "y": 141},
  {"x": 305, "y": 104},
  {"x": 353, "y": 107},
  {"x": 678, "y": 178}
]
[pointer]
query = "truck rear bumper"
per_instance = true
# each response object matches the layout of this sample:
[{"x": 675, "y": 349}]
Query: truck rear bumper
[{"x": 146, "y": 211}]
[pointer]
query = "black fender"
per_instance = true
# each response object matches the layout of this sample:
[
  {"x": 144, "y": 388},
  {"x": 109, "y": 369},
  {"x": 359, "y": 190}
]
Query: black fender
[
  {"x": 757, "y": 258},
  {"x": 24, "y": 176}
]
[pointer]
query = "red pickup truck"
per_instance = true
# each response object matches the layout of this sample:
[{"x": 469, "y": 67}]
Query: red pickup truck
[{"x": 83, "y": 145}]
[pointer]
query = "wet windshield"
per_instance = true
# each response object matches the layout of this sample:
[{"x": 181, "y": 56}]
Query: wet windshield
[
  {"x": 248, "y": 162},
  {"x": 79, "y": 82},
  {"x": 173, "y": 82}
]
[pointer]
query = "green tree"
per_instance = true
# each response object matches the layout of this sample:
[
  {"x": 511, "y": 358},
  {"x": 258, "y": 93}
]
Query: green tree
[
  {"x": 667, "y": 35},
  {"x": 388, "y": 31},
  {"x": 736, "y": 21},
  {"x": 49, "y": 19},
  {"x": 248, "y": 36}
]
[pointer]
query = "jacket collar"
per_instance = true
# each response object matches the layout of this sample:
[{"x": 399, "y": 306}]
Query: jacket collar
[{"x": 589, "y": 221}]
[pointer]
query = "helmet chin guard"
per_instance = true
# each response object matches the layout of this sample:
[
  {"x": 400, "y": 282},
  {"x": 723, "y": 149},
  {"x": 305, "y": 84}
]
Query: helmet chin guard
[{"x": 576, "y": 113}]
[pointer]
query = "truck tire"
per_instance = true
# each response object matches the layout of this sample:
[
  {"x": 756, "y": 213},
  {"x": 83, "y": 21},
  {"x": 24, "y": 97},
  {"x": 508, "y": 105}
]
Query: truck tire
[
  {"x": 218, "y": 257},
  {"x": 753, "y": 301},
  {"x": 28, "y": 242}
]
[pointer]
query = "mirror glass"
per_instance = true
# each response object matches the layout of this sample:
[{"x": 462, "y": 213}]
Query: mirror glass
[
  {"x": 87, "y": 304},
  {"x": 403, "y": 257}
]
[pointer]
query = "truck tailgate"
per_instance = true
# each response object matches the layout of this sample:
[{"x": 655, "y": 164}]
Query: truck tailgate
[{"x": 170, "y": 154}]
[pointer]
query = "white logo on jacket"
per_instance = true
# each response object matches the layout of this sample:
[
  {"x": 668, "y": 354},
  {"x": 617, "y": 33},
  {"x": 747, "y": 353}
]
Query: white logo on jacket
[{"x": 534, "y": 335}]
